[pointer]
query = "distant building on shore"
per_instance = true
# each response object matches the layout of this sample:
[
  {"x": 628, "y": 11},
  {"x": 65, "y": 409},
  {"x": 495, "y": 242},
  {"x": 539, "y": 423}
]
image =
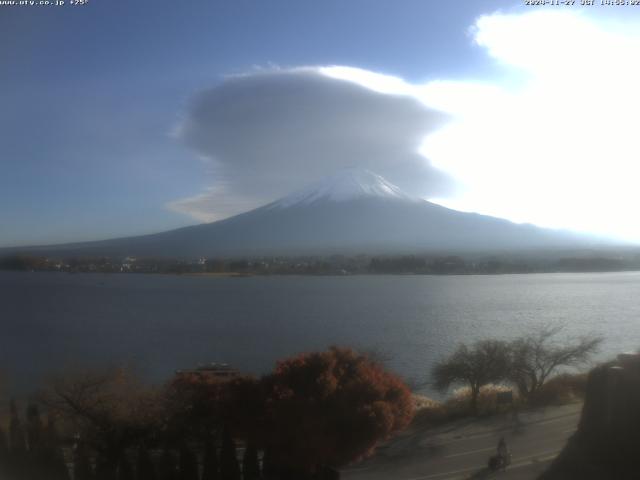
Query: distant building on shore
[{"x": 217, "y": 371}]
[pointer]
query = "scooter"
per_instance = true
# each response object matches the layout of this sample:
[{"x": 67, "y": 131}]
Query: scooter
[{"x": 499, "y": 462}]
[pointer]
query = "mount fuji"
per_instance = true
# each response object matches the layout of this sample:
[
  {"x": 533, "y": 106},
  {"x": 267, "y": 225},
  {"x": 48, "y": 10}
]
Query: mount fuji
[{"x": 354, "y": 211}]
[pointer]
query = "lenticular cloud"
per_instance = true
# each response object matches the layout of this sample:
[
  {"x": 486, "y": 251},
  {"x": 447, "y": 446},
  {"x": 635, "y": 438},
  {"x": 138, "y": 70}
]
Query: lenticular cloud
[{"x": 268, "y": 133}]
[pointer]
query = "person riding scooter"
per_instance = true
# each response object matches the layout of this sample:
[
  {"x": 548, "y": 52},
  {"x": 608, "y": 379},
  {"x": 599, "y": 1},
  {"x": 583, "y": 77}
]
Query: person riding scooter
[
  {"x": 503, "y": 451},
  {"x": 502, "y": 459}
]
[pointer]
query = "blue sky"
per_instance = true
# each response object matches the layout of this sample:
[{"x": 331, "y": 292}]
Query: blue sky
[{"x": 91, "y": 96}]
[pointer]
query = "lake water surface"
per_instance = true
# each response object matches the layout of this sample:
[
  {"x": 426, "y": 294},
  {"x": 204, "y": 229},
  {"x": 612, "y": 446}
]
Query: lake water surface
[{"x": 52, "y": 321}]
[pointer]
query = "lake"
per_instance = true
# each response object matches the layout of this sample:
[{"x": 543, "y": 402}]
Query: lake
[{"x": 160, "y": 323}]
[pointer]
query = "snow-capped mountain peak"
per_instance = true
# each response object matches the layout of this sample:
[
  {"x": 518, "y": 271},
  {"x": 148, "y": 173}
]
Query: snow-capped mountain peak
[{"x": 348, "y": 184}]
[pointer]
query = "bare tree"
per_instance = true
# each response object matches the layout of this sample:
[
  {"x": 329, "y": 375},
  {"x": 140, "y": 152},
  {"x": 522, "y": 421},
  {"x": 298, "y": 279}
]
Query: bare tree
[
  {"x": 536, "y": 356},
  {"x": 484, "y": 362},
  {"x": 109, "y": 411}
]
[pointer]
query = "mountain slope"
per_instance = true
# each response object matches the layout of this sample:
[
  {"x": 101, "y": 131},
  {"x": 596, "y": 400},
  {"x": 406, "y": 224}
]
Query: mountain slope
[{"x": 353, "y": 212}]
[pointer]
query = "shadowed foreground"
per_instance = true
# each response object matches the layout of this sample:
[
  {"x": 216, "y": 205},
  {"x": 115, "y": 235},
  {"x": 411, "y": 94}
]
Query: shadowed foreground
[{"x": 607, "y": 442}]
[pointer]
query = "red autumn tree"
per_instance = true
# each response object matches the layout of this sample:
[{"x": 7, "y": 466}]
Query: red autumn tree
[
  {"x": 199, "y": 406},
  {"x": 194, "y": 407},
  {"x": 244, "y": 408},
  {"x": 331, "y": 408}
]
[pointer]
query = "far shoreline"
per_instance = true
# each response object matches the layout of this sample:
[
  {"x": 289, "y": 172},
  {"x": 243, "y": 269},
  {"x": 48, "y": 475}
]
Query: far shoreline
[{"x": 354, "y": 274}]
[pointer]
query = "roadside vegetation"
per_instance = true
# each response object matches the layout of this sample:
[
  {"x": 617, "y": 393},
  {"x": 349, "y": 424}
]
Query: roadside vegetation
[
  {"x": 313, "y": 414},
  {"x": 495, "y": 376}
]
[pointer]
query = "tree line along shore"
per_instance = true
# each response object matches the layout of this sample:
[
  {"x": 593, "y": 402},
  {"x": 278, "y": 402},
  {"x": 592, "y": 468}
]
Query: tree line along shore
[{"x": 432, "y": 264}]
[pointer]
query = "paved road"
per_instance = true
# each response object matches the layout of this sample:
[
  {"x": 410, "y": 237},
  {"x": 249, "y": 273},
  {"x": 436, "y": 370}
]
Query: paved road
[{"x": 461, "y": 450}]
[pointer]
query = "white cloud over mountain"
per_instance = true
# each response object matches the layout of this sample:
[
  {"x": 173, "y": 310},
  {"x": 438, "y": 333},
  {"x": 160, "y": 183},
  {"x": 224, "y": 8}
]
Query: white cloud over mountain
[{"x": 268, "y": 133}]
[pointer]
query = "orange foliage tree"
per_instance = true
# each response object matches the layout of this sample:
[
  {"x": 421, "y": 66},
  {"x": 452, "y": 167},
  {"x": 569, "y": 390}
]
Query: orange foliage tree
[
  {"x": 330, "y": 408},
  {"x": 199, "y": 406},
  {"x": 193, "y": 406}
]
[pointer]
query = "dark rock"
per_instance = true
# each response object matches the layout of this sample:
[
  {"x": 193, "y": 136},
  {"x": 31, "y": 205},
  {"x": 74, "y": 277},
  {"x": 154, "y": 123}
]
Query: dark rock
[{"x": 607, "y": 442}]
